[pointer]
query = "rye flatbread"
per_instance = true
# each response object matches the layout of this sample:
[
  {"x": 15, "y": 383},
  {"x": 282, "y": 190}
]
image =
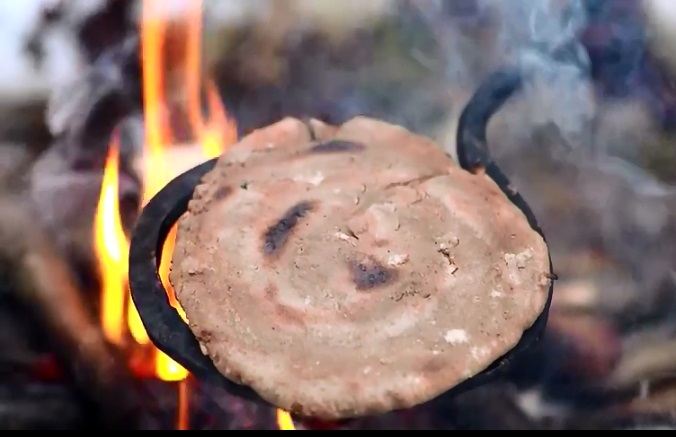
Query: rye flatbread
[{"x": 355, "y": 273}]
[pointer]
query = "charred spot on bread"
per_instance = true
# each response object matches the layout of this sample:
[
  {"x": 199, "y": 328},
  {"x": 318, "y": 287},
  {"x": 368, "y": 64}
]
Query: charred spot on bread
[
  {"x": 277, "y": 235},
  {"x": 337, "y": 146},
  {"x": 222, "y": 193},
  {"x": 370, "y": 274}
]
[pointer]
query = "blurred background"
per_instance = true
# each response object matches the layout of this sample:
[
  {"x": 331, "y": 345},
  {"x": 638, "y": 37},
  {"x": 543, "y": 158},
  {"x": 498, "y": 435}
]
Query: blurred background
[{"x": 102, "y": 102}]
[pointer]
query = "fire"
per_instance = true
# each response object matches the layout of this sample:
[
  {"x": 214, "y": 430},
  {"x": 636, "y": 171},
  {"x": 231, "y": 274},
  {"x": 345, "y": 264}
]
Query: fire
[
  {"x": 213, "y": 134},
  {"x": 285, "y": 421},
  {"x": 112, "y": 249}
]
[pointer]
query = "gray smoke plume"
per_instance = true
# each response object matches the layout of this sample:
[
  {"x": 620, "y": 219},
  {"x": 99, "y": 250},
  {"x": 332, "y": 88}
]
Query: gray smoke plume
[
  {"x": 541, "y": 36},
  {"x": 572, "y": 152}
]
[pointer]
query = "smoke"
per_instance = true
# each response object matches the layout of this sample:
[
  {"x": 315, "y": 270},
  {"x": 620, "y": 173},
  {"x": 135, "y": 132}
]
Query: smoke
[
  {"x": 572, "y": 148},
  {"x": 541, "y": 36}
]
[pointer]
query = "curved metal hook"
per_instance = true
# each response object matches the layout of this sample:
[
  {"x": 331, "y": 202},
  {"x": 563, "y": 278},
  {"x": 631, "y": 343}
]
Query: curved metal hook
[
  {"x": 474, "y": 154},
  {"x": 163, "y": 324},
  {"x": 472, "y": 145}
]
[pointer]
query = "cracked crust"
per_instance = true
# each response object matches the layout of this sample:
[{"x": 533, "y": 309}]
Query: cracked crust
[{"x": 355, "y": 274}]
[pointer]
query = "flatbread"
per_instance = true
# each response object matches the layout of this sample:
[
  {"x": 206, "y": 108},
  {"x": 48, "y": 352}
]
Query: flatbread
[{"x": 355, "y": 273}]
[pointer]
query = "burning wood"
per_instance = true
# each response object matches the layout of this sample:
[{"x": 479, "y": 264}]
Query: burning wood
[
  {"x": 45, "y": 283},
  {"x": 33, "y": 405},
  {"x": 66, "y": 197},
  {"x": 82, "y": 117}
]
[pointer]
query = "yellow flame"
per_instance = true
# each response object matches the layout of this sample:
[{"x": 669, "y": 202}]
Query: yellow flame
[
  {"x": 285, "y": 421},
  {"x": 193, "y": 64},
  {"x": 111, "y": 248},
  {"x": 213, "y": 133},
  {"x": 153, "y": 28}
]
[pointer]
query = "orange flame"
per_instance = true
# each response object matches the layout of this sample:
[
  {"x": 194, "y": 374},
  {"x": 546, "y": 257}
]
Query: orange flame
[{"x": 213, "y": 133}]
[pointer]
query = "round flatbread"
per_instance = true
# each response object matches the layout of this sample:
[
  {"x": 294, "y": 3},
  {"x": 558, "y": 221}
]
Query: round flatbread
[{"x": 356, "y": 273}]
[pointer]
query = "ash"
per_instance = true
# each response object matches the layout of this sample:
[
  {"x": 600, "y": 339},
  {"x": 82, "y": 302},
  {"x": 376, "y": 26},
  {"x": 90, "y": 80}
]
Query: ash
[{"x": 589, "y": 144}]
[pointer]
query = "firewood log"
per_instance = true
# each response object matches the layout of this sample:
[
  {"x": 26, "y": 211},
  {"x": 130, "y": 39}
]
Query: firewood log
[{"x": 43, "y": 281}]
